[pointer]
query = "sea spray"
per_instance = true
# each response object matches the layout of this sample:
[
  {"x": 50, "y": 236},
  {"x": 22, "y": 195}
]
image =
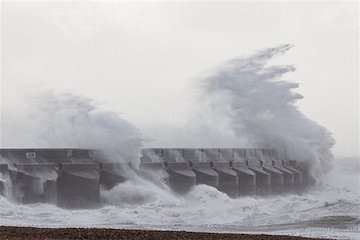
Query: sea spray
[
  {"x": 5, "y": 183},
  {"x": 138, "y": 191},
  {"x": 246, "y": 102},
  {"x": 70, "y": 121},
  {"x": 259, "y": 110},
  {"x": 260, "y": 107}
]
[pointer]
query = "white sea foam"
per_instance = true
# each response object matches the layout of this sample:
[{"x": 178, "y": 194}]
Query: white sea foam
[{"x": 145, "y": 205}]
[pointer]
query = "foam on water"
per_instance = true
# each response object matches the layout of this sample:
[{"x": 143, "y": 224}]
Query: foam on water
[{"x": 330, "y": 209}]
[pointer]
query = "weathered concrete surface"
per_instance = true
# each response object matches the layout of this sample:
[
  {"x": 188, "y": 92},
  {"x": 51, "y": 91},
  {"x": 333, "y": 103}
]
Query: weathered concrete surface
[
  {"x": 50, "y": 191},
  {"x": 263, "y": 178},
  {"x": 78, "y": 185},
  {"x": 298, "y": 175},
  {"x": 111, "y": 174},
  {"x": 307, "y": 178},
  {"x": 205, "y": 174},
  {"x": 181, "y": 176},
  {"x": 25, "y": 188},
  {"x": 247, "y": 178},
  {"x": 41, "y": 175},
  {"x": 228, "y": 178},
  {"x": 288, "y": 175},
  {"x": 44, "y": 155},
  {"x": 72, "y": 178},
  {"x": 276, "y": 176}
]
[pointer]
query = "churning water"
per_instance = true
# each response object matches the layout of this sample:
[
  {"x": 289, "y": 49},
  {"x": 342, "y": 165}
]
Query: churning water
[
  {"x": 245, "y": 102},
  {"x": 331, "y": 209}
]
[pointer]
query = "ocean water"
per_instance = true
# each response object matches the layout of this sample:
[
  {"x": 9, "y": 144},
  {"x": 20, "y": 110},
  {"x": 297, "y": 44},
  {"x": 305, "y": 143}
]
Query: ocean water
[{"x": 329, "y": 209}]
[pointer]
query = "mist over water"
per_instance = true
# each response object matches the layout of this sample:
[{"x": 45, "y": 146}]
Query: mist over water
[{"x": 244, "y": 103}]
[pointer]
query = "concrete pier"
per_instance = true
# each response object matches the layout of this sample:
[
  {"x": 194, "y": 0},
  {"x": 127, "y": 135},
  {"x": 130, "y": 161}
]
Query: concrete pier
[
  {"x": 152, "y": 166},
  {"x": 276, "y": 176},
  {"x": 263, "y": 178},
  {"x": 287, "y": 175},
  {"x": 205, "y": 174},
  {"x": 111, "y": 174},
  {"x": 25, "y": 188},
  {"x": 247, "y": 177},
  {"x": 50, "y": 194},
  {"x": 151, "y": 159},
  {"x": 298, "y": 175},
  {"x": 181, "y": 176},
  {"x": 78, "y": 185},
  {"x": 34, "y": 181},
  {"x": 72, "y": 178},
  {"x": 228, "y": 178},
  {"x": 305, "y": 168}
]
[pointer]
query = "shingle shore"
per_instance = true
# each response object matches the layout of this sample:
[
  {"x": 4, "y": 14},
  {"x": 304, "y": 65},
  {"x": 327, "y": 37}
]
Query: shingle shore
[{"x": 28, "y": 233}]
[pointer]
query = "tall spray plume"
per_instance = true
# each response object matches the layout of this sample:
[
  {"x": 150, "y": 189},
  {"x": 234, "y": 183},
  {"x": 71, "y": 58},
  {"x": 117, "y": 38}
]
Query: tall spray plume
[
  {"x": 54, "y": 120},
  {"x": 261, "y": 107}
]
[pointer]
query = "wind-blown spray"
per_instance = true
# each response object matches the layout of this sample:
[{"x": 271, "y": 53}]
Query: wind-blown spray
[
  {"x": 246, "y": 104},
  {"x": 261, "y": 107},
  {"x": 70, "y": 121},
  {"x": 66, "y": 120}
]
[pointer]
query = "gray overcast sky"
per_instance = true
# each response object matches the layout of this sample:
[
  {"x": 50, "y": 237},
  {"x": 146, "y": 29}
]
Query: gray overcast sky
[{"x": 143, "y": 59}]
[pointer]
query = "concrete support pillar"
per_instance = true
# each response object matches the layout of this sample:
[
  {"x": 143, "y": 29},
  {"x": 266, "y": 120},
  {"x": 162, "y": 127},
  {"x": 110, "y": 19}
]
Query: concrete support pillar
[
  {"x": 202, "y": 168},
  {"x": 228, "y": 178},
  {"x": 205, "y": 174},
  {"x": 111, "y": 174},
  {"x": 25, "y": 188},
  {"x": 288, "y": 175},
  {"x": 78, "y": 185},
  {"x": 30, "y": 182},
  {"x": 263, "y": 178},
  {"x": 276, "y": 178},
  {"x": 50, "y": 194},
  {"x": 181, "y": 177},
  {"x": 247, "y": 178},
  {"x": 298, "y": 175}
]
